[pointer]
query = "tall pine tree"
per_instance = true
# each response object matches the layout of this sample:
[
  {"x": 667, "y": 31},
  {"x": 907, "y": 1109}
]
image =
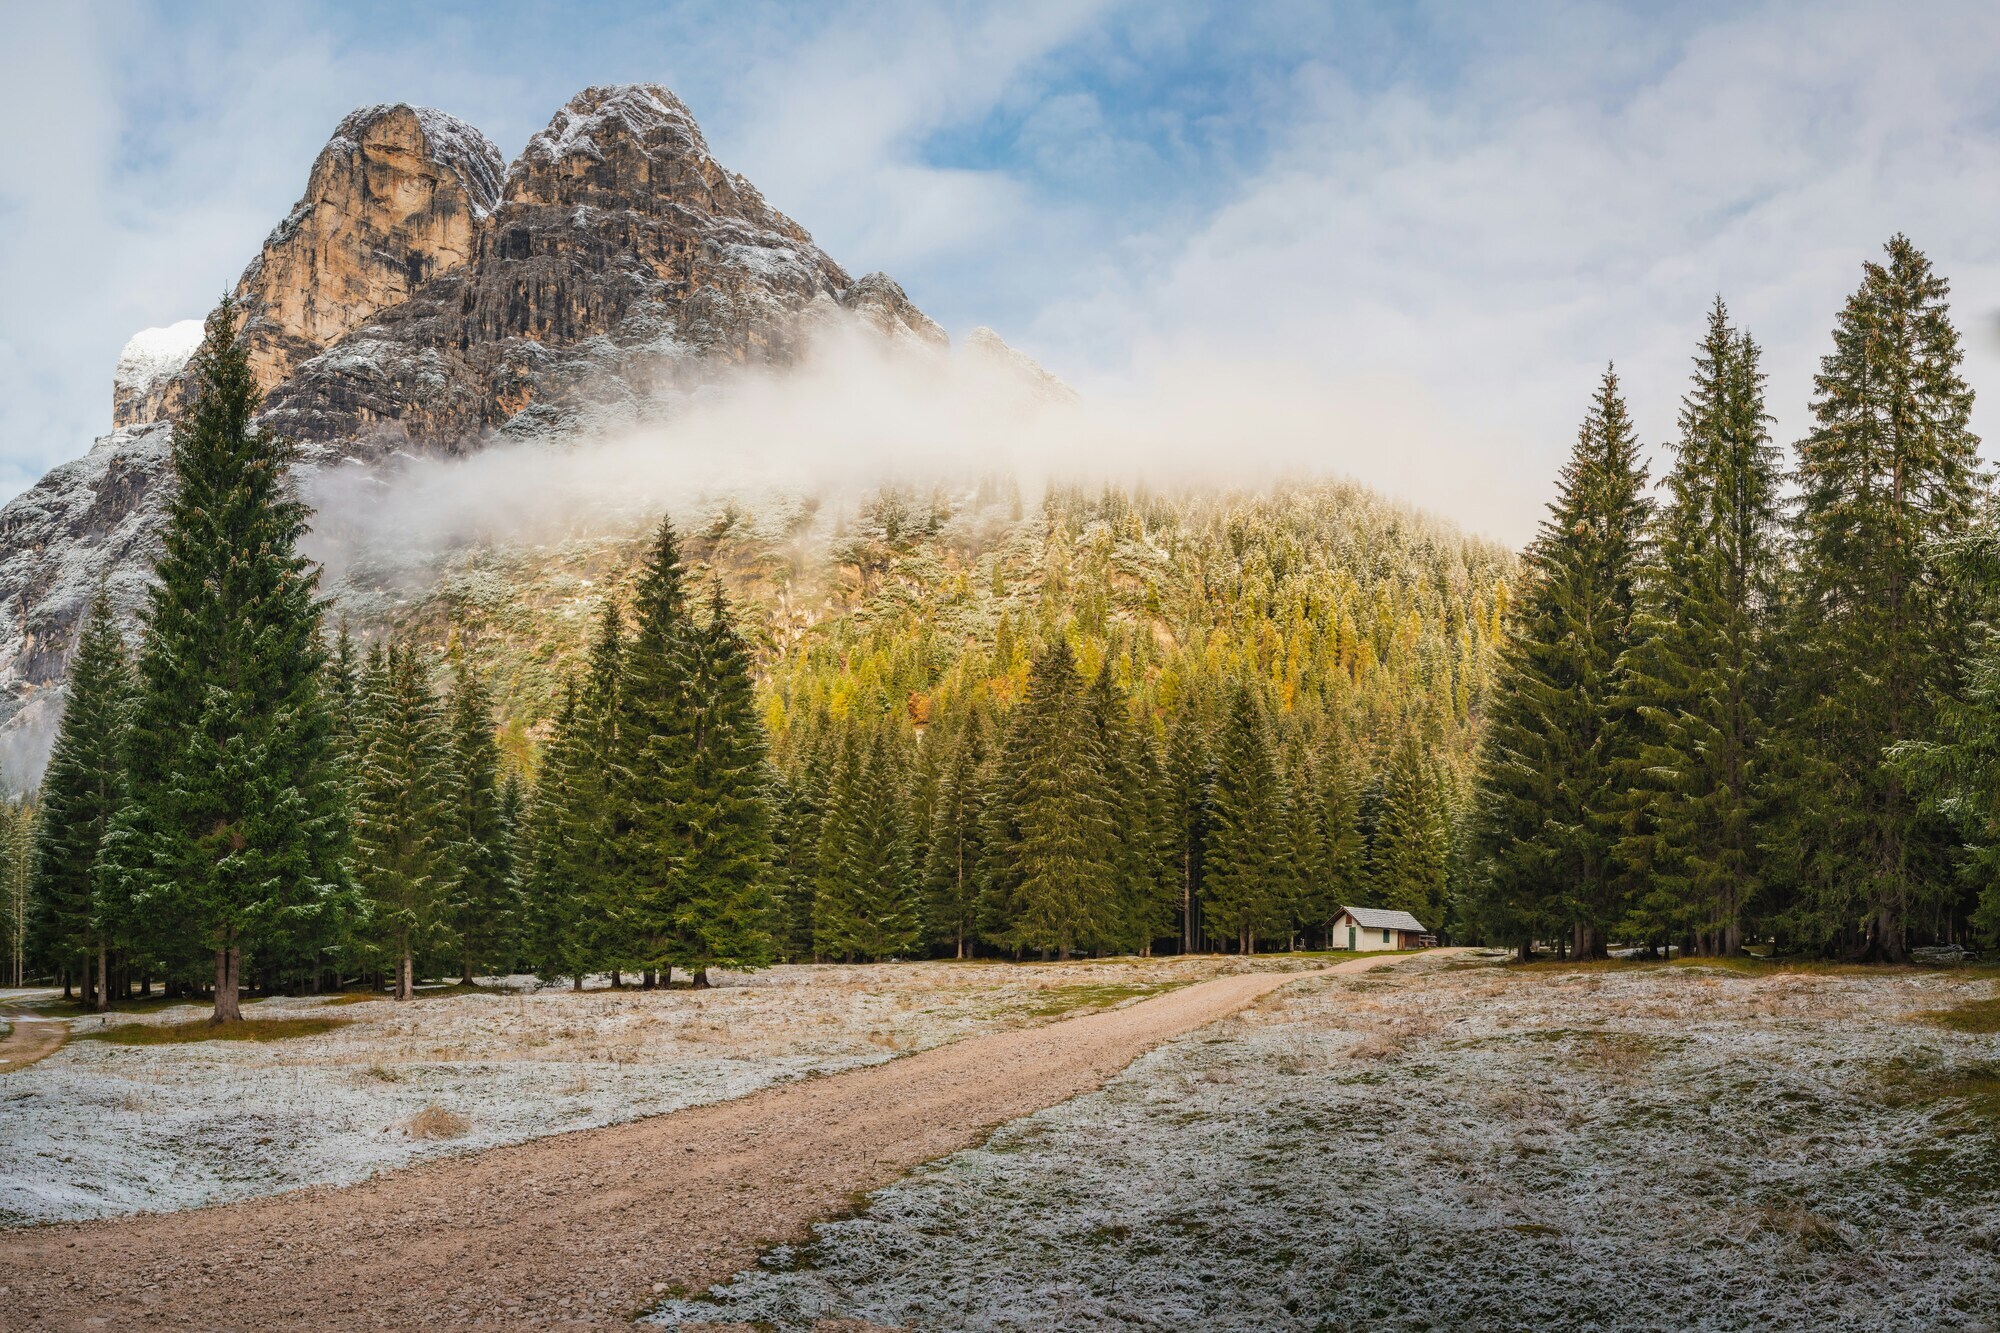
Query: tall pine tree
[
  {"x": 1054, "y": 841},
  {"x": 237, "y": 824},
  {"x": 1698, "y": 676},
  {"x": 651, "y": 780},
  {"x": 1549, "y": 815},
  {"x": 484, "y": 905},
  {"x": 1890, "y": 471},
  {"x": 1246, "y": 865},
  {"x": 556, "y": 846},
  {"x": 80, "y": 919},
  {"x": 867, "y": 905},
  {"x": 725, "y": 916},
  {"x": 958, "y": 836},
  {"x": 409, "y": 814}
]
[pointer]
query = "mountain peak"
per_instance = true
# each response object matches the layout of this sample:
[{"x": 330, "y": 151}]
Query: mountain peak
[
  {"x": 423, "y": 295},
  {"x": 617, "y": 111},
  {"x": 395, "y": 198},
  {"x": 635, "y": 147},
  {"x": 146, "y": 369}
]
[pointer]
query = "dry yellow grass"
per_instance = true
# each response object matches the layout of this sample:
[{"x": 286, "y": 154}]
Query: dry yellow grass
[{"x": 435, "y": 1122}]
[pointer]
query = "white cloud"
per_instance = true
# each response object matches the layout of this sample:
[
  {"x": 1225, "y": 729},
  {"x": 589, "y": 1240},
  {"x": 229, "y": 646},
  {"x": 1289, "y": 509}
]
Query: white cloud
[{"x": 1485, "y": 248}]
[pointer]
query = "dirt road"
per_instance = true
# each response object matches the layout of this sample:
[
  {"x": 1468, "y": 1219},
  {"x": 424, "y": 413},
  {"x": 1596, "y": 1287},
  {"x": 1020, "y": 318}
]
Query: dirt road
[
  {"x": 581, "y": 1230},
  {"x": 32, "y": 1037}
]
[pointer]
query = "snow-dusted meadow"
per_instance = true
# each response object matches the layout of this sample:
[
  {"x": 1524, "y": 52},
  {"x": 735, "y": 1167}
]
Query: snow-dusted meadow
[
  {"x": 99, "y": 1128},
  {"x": 1471, "y": 1147}
]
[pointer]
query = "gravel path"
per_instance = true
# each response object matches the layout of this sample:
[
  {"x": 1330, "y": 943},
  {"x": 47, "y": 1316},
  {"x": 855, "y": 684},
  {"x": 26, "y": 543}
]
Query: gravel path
[
  {"x": 582, "y": 1230},
  {"x": 33, "y": 1036}
]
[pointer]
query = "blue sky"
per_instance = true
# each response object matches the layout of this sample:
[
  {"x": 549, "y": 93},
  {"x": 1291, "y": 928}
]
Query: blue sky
[{"x": 1422, "y": 228}]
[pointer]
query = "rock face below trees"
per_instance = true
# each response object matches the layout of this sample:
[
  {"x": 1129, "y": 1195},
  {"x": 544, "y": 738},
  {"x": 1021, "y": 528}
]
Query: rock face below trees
[{"x": 421, "y": 297}]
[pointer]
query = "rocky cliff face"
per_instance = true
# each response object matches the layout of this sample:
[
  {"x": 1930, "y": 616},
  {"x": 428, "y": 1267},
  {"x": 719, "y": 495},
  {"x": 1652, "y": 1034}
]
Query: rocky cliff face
[
  {"x": 396, "y": 198},
  {"x": 421, "y": 296},
  {"x": 621, "y": 265}
]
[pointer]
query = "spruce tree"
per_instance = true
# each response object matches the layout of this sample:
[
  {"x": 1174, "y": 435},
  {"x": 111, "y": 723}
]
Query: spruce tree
[
  {"x": 1411, "y": 847},
  {"x": 16, "y": 898},
  {"x": 80, "y": 920},
  {"x": 651, "y": 789},
  {"x": 237, "y": 823},
  {"x": 343, "y": 688},
  {"x": 560, "y": 827},
  {"x": 1342, "y": 871},
  {"x": 1548, "y": 815},
  {"x": 1056, "y": 843},
  {"x": 867, "y": 906},
  {"x": 1305, "y": 842},
  {"x": 958, "y": 835},
  {"x": 1697, "y": 678},
  {"x": 801, "y": 805},
  {"x": 1187, "y": 780},
  {"x": 595, "y": 803},
  {"x": 1246, "y": 865},
  {"x": 1956, "y": 770},
  {"x": 1131, "y": 784},
  {"x": 725, "y": 916},
  {"x": 409, "y": 815},
  {"x": 1889, "y": 473},
  {"x": 484, "y": 907}
]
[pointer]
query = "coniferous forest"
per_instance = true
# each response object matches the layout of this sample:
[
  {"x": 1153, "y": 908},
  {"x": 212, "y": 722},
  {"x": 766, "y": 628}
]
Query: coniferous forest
[{"x": 1750, "y": 704}]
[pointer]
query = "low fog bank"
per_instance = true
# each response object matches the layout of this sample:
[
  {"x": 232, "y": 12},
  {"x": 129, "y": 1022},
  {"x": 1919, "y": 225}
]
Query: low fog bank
[
  {"x": 28, "y": 739},
  {"x": 860, "y": 413}
]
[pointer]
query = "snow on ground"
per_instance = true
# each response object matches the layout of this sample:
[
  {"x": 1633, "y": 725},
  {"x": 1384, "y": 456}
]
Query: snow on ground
[
  {"x": 99, "y": 1128},
  {"x": 1472, "y": 1147}
]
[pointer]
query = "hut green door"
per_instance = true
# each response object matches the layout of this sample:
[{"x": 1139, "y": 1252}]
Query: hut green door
[{"x": 1350, "y": 939}]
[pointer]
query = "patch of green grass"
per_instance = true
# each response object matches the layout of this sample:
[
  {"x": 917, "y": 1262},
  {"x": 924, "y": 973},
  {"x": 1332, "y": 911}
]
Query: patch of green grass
[
  {"x": 1975, "y": 1087},
  {"x": 1060, "y": 1000},
  {"x": 249, "y": 1029},
  {"x": 1976, "y": 1016}
]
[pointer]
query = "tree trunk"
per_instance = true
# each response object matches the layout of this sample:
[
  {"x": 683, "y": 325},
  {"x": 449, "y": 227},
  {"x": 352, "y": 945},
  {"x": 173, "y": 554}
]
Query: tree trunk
[
  {"x": 577, "y": 982},
  {"x": 667, "y": 977},
  {"x": 103, "y": 977},
  {"x": 701, "y": 981},
  {"x": 227, "y": 1009},
  {"x": 1187, "y": 900},
  {"x": 617, "y": 978},
  {"x": 406, "y": 976},
  {"x": 1885, "y": 942}
]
